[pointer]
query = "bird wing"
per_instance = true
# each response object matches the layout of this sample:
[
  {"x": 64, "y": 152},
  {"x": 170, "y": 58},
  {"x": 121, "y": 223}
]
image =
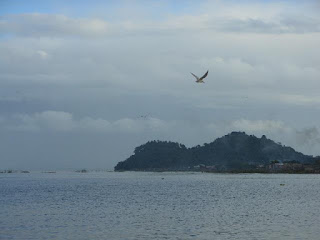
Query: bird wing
[
  {"x": 206, "y": 74},
  {"x": 195, "y": 76}
]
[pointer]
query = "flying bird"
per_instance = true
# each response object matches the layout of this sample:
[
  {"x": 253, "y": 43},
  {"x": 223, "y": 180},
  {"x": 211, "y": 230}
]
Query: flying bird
[{"x": 200, "y": 80}]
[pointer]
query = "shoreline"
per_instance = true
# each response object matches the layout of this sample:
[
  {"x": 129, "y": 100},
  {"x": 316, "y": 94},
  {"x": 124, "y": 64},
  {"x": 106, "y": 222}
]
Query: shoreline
[{"x": 228, "y": 172}]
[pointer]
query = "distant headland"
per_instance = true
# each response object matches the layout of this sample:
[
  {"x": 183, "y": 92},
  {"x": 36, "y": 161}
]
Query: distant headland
[{"x": 235, "y": 152}]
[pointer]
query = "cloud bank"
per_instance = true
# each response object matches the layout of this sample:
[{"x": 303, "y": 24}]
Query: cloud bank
[
  {"x": 259, "y": 18},
  {"x": 73, "y": 87},
  {"x": 63, "y": 122}
]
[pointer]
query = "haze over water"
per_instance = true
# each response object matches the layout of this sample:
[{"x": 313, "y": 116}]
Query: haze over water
[{"x": 135, "y": 205}]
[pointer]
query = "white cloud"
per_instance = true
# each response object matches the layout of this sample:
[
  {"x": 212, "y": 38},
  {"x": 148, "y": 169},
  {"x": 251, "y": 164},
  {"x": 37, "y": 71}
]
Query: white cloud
[
  {"x": 52, "y": 25},
  {"x": 53, "y": 120},
  {"x": 65, "y": 122},
  {"x": 259, "y": 125},
  {"x": 127, "y": 124},
  {"x": 298, "y": 99},
  {"x": 42, "y": 54},
  {"x": 95, "y": 125},
  {"x": 266, "y": 18}
]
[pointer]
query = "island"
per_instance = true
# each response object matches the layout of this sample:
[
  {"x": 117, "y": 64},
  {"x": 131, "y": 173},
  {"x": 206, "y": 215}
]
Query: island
[{"x": 234, "y": 152}]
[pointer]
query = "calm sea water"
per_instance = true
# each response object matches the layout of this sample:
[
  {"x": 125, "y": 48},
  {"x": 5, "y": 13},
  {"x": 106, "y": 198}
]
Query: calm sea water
[{"x": 133, "y": 205}]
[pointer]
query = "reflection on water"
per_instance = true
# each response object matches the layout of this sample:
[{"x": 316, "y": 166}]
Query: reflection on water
[{"x": 159, "y": 206}]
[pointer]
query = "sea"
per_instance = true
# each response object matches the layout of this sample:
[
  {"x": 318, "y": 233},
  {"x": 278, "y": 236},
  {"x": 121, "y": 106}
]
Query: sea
[{"x": 168, "y": 205}]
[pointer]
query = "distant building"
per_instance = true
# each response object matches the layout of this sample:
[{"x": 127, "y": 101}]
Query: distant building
[
  {"x": 203, "y": 167},
  {"x": 199, "y": 167},
  {"x": 276, "y": 166},
  {"x": 288, "y": 167},
  {"x": 211, "y": 168},
  {"x": 312, "y": 168},
  {"x": 260, "y": 166},
  {"x": 293, "y": 167}
]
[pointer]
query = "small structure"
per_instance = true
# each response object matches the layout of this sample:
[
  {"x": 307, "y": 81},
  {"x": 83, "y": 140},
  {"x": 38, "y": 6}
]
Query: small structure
[
  {"x": 295, "y": 167},
  {"x": 276, "y": 166},
  {"x": 199, "y": 167},
  {"x": 260, "y": 166},
  {"x": 211, "y": 168},
  {"x": 308, "y": 168},
  {"x": 204, "y": 168}
]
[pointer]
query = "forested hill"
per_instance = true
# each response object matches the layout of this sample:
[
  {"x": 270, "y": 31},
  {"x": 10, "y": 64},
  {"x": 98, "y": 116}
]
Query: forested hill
[{"x": 234, "y": 151}]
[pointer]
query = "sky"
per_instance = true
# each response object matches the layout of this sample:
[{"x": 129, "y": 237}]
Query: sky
[{"x": 82, "y": 83}]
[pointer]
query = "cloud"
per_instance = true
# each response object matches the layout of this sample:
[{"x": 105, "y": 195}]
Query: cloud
[
  {"x": 52, "y": 120},
  {"x": 306, "y": 140},
  {"x": 43, "y": 54},
  {"x": 214, "y": 17},
  {"x": 99, "y": 73},
  {"x": 287, "y": 25},
  {"x": 309, "y": 138},
  {"x": 59, "y": 121},
  {"x": 52, "y": 25},
  {"x": 65, "y": 122},
  {"x": 299, "y": 99},
  {"x": 59, "y": 139},
  {"x": 259, "y": 125}
]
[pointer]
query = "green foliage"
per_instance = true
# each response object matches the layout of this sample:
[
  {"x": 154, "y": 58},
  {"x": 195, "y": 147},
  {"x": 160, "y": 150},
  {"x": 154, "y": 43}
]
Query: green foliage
[
  {"x": 234, "y": 151},
  {"x": 156, "y": 155}
]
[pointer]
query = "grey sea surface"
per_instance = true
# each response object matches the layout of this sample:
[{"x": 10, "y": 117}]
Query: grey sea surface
[{"x": 140, "y": 205}]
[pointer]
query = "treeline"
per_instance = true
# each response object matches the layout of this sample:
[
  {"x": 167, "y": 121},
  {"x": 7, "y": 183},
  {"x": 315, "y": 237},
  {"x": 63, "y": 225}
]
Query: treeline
[{"x": 235, "y": 151}]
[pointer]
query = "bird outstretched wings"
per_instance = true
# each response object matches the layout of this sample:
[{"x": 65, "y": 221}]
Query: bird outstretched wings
[
  {"x": 200, "y": 80},
  {"x": 206, "y": 74}
]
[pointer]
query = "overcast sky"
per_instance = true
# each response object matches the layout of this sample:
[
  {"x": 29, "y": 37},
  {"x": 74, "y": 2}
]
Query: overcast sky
[{"x": 82, "y": 83}]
